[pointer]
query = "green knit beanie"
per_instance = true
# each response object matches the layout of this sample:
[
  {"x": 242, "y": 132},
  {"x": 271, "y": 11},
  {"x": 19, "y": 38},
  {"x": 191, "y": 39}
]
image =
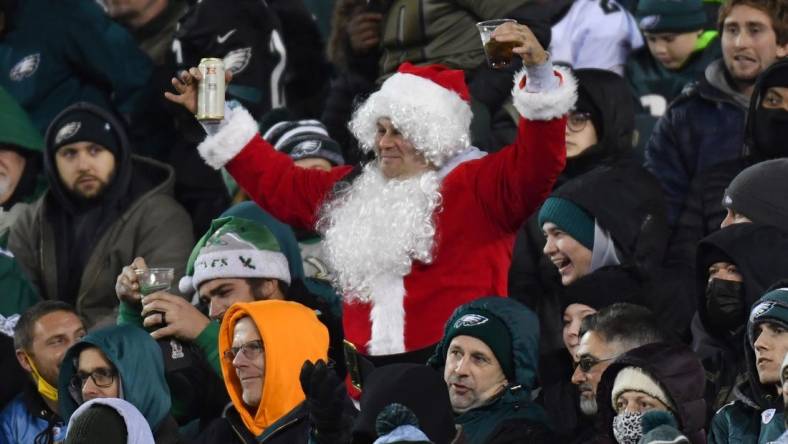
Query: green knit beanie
[
  {"x": 15, "y": 126},
  {"x": 670, "y": 15},
  {"x": 235, "y": 247},
  {"x": 490, "y": 329},
  {"x": 569, "y": 218}
]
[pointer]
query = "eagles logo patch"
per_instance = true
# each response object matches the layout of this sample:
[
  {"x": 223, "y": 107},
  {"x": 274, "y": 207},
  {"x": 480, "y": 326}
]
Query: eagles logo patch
[
  {"x": 67, "y": 131},
  {"x": 649, "y": 22},
  {"x": 470, "y": 320},
  {"x": 237, "y": 60},
  {"x": 25, "y": 68},
  {"x": 305, "y": 148}
]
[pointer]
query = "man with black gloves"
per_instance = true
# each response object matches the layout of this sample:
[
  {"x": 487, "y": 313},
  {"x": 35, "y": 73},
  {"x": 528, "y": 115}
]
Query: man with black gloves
[
  {"x": 104, "y": 207},
  {"x": 261, "y": 362}
]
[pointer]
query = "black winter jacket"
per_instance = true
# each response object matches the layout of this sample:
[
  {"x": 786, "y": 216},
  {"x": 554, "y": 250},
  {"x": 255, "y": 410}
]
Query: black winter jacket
[
  {"x": 703, "y": 211},
  {"x": 702, "y": 127}
]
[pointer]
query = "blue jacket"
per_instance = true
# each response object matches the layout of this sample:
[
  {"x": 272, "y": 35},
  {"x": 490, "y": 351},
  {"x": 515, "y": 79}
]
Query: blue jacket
[
  {"x": 702, "y": 127},
  {"x": 19, "y": 425}
]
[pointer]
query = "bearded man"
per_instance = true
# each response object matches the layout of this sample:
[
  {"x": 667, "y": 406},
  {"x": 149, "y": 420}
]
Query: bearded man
[{"x": 429, "y": 224}]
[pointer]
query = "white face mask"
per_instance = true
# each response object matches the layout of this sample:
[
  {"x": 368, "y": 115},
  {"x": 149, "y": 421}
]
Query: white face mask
[{"x": 627, "y": 427}]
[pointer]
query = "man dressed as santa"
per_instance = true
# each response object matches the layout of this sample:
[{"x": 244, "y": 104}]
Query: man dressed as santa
[{"x": 429, "y": 224}]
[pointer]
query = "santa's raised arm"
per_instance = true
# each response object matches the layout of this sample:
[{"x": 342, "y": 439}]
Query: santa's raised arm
[{"x": 428, "y": 224}]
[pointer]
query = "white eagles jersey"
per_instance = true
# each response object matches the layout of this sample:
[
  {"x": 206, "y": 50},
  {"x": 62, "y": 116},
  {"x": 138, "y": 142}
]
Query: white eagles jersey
[{"x": 595, "y": 34}]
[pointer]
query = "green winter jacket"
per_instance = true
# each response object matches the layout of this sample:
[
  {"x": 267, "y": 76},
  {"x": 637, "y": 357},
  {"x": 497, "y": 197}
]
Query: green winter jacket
[
  {"x": 154, "y": 226},
  {"x": 140, "y": 365},
  {"x": 19, "y": 133},
  {"x": 17, "y": 293},
  {"x": 513, "y": 414},
  {"x": 438, "y": 31},
  {"x": 655, "y": 86},
  {"x": 59, "y": 52}
]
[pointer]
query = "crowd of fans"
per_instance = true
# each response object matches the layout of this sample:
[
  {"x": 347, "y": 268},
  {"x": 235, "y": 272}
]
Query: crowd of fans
[{"x": 385, "y": 239}]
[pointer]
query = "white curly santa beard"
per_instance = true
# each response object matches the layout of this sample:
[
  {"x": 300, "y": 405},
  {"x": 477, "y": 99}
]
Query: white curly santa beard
[{"x": 378, "y": 226}]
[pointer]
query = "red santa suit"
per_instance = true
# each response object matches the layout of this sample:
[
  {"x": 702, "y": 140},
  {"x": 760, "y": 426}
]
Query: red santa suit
[{"x": 484, "y": 200}]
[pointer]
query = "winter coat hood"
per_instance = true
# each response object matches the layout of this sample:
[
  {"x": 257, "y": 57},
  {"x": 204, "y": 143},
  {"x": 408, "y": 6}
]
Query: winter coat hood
[
  {"x": 285, "y": 354},
  {"x": 123, "y": 168},
  {"x": 678, "y": 372},
  {"x": 137, "y": 428},
  {"x": 757, "y": 250},
  {"x": 627, "y": 201},
  {"x": 515, "y": 402},
  {"x": 137, "y": 358},
  {"x": 16, "y": 128},
  {"x": 612, "y": 97},
  {"x": 774, "y": 75}
]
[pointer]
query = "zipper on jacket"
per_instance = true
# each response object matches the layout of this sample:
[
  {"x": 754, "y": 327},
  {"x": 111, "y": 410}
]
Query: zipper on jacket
[{"x": 280, "y": 428}]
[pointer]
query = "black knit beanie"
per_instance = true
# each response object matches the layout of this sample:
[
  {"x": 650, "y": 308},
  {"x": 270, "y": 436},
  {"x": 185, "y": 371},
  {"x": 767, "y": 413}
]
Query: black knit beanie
[
  {"x": 760, "y": 193},
  {"x": 99, "y": 424},
  {"x": 82, "y": 125}
]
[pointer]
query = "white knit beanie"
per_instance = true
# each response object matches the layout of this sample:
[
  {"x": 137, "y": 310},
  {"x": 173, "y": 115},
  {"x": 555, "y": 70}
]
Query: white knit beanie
[{"x": 635, "y": 379}]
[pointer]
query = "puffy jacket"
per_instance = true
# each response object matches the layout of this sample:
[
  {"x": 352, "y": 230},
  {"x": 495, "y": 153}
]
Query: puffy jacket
[
  {"x": 140, "y": 366},
  {"x": 137, "y": 216},
  {"x": 702, "y": 127},
  {"x": 677, "y": 370},
  {"x": 703, "y": 211},
  {"x": 513, "y": 416}
]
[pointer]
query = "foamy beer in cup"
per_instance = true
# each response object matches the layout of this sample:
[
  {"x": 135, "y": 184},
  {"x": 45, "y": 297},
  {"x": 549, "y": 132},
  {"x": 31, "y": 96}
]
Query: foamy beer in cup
[{"x": 499, "y": 54}]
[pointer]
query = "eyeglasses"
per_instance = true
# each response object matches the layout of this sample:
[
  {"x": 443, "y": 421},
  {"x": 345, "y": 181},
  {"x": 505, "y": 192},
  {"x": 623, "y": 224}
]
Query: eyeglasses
[
  {"x": 251, "y": 350},
  {"x": 586, "y": 363},
  {"x": 577, "y": 121},
  {"x": 102, "y": 377}
]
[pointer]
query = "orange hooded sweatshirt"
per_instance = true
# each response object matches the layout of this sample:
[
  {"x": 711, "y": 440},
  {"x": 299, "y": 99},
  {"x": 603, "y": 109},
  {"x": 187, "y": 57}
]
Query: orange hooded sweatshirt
[{"x": 291, "y": 334}]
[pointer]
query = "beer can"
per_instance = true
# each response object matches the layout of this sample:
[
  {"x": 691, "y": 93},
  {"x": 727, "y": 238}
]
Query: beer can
[{"x": 210, "y": 94}]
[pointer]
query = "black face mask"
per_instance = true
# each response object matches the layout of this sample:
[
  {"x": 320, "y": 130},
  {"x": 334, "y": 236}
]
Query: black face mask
[
  {"x": 725, "y": 308},
  {"x": 769, "y": 132}
]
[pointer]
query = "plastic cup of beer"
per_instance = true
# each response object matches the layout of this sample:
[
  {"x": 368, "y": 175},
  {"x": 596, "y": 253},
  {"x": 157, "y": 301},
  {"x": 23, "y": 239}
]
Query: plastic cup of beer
[
  {"x": 152, "y": 280},
  {"x": 499, "y": 54}
]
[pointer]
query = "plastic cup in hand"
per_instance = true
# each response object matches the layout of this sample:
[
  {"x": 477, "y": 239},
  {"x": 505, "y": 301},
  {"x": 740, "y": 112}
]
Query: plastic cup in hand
[
  {"x": 499, "y": 54},
  {"x": 152, "y": 280}
]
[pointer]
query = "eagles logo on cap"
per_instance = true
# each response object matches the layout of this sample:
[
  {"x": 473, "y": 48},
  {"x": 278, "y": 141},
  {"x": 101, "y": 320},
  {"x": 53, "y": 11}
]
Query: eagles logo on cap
[
  {"x": 760, "y": 309},
  {"x": 67, "y": 131},
  {"x": 305, "y": 148},
  {"x": 649, "y": 22},
  {"x": 727, "y": 201},
  {"x": 470, "y": 320}
]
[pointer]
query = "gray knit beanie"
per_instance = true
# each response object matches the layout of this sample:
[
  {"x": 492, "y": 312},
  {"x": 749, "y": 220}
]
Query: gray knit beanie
[{"x": 760, "y": 193}]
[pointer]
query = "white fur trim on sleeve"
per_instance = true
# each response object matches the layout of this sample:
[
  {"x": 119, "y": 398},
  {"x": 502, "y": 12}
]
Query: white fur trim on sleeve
[
  {"x": 221, "y": 147},
  {"x": 545, "y": 105}
]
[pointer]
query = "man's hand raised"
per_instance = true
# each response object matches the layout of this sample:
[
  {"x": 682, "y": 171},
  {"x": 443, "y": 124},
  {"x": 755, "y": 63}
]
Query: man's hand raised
[
  {"x": 528, "y": 47},
  {"x": 186, "y": 85}
]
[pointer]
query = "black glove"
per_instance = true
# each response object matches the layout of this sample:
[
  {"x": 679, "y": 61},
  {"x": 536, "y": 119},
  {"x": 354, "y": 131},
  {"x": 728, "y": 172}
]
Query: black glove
[{"x": 326, "y": 398}]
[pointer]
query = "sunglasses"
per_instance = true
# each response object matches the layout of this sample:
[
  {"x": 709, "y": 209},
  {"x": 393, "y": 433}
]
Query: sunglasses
[
  {"x": 102, "y": 377},
  {"x": 586, "y": 363},
  {"x": 251, "y": 350}
]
